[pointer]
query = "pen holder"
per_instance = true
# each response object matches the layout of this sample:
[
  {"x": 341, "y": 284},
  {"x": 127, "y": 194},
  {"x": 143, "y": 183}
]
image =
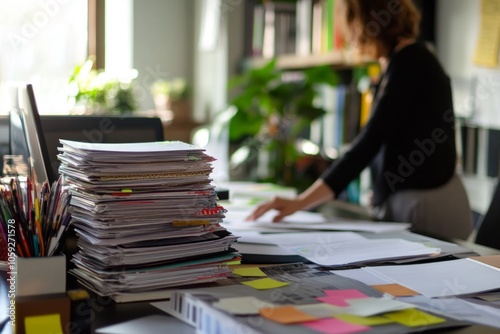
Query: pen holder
[
  {"x": 40, "y": 275},
  {"x": 40, "y": 292}
]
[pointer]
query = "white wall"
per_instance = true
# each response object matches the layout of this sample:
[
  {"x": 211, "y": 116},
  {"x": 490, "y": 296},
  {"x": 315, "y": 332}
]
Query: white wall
[
  {"x": 476, "y": 89},
  {"x": 163, "y": 36},
  {"x": 457, "y": 30}
]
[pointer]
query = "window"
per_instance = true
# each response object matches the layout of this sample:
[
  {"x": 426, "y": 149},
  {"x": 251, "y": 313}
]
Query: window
[{"x": 41, "y": 43}]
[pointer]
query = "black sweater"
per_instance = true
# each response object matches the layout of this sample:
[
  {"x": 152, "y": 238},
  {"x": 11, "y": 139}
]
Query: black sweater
[{"x": 409, "y": 141}]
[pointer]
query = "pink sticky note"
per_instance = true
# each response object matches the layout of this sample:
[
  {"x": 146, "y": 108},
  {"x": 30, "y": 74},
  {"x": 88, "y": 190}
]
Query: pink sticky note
[
  {"x": 346, "y": 294},
  {"x": 334, "y": 326},
  {"x": 339, "y": 297}
]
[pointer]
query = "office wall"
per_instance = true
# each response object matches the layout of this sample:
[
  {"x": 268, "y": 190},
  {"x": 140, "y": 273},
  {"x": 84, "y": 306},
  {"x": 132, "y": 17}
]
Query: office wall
[{"x": 163, "y": 33}]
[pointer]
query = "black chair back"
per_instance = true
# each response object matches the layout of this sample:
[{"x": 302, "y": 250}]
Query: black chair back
[{"x": 488, "y": 233}]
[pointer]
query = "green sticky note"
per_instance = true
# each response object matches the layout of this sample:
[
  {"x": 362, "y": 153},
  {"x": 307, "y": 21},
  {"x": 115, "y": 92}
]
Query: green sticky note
[
  {"x": 265, "y": 283},
  {"x": 252, "y": 271},
  {"x": 47, "y": 323},
  {"x": 413, "y": 318},
  {"x": 365, "y": 321}
]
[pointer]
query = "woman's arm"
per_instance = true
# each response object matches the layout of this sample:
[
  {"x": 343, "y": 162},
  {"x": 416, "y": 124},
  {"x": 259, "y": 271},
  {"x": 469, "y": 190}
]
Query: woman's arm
[{"x": 318, "y": 193}]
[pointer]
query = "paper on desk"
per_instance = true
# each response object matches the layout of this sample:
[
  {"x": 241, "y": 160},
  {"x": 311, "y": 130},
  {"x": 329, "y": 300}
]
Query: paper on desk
[
  {"x": 241, "y": 305},
  {"x": 359, "y": 251},
  {"x": 458, "y": 308},
  {"x": 294, "y": 238},
  {"x": 367, "y": 307},
  {"x": 362, "y": 276},
  {"x": 450, "y": 278},
  {"x": 304, "y": 220},
  {"x": 105, "y": 148}
]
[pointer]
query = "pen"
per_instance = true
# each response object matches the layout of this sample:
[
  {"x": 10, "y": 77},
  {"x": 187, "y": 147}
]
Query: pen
[{"x": 61, "y": 235}]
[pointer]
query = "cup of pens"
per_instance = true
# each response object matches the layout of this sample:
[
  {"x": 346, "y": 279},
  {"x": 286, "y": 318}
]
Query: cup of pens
[{"x": 34, "y": 221}]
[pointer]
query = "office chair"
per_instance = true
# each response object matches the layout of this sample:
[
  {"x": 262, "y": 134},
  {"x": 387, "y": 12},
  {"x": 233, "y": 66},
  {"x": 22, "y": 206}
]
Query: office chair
[{"x": 488, "y": 233}]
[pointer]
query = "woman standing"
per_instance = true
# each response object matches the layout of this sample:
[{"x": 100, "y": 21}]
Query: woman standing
[{"x": 409, "y": 140}]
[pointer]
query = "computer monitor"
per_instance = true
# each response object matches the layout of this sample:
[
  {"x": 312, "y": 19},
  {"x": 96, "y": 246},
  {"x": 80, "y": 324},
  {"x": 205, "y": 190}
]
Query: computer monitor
[
  {"x": 26, "y": 135},
  {"x": 97, "y": 129}
]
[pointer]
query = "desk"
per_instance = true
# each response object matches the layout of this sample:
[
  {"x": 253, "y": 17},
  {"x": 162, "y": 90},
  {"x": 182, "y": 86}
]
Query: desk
[{"x": 105, "y": 312}]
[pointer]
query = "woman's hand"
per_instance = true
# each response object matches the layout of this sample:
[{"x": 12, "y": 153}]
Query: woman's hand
[
  {"x": 316, "y": 194},
  {"x": 284, "y": 206}
]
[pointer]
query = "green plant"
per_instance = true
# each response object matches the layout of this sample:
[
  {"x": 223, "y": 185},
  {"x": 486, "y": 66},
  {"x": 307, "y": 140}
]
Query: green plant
[
  {"x": 271, "y": 114},
  {"x": 175, "y": 89},
  {"x": 101, "y": 92}
]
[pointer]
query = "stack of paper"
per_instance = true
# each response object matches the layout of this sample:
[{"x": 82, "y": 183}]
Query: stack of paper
[{"x": 146, "y": 216}]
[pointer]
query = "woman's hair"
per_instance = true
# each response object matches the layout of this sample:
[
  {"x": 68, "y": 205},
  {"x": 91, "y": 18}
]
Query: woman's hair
[{"x": 381, "y": 23}]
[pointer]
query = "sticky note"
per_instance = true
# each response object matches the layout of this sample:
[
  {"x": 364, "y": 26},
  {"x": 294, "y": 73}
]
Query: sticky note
[
  {"x": 265, "y": 283},
  {"x": 319, "y": 310},
  {"x": 365, "y": 321},
  {"x": 252, "y": 271},
  {"x": 48, "y": 323},
  {"x": 334, "y": 326},
  {"x": 414, "y": 318},
  {"x": 241, "y": 305},
  {"x": 395, "y": 290},
  {"x": 367, "y": 307},
  {"x": 285, "y": 315},
  {"x": 339, "y": 297}
]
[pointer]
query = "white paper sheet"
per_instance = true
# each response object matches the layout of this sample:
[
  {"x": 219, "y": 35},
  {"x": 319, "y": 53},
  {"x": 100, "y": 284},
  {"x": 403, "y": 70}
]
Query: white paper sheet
[{"x": 444, "y": 278}]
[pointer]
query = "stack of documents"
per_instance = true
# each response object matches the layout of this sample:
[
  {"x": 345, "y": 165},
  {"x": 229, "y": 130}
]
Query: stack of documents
[{"x": 146, "y": 216}]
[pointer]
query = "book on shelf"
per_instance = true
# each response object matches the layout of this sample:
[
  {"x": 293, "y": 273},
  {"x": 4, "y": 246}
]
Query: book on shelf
[
  {"x": 301, "y": 27},
  {"x": 493, "y": 153}
]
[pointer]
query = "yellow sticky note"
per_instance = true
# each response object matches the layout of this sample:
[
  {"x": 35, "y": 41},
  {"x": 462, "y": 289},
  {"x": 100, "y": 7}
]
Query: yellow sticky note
[
  {"x": 252, "y": 271},
  {"x": 414, "y": 318},
  {"x": 265, "y": 283},
  {"x": 48, "y": 323},
  {"x": 366, "y": 321},
  {"x": 285, "y": 315}
]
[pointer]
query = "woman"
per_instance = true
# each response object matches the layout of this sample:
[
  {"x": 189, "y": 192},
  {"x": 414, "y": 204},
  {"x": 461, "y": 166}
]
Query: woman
[{"x": 409, "y": 141}]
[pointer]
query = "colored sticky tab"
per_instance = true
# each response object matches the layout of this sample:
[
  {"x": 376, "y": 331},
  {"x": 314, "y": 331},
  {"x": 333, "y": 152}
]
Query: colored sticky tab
[
  {"x": 414, "y": 318},
  {"x": 241, "y": 305},
  {"x": 126, "y": 190},
  {"x": 48, "y": 323},
  {"x": 339, "y": 297},
  {"x": 265, "y": 283},
  {"x": 395, "y": 290},
  {"x": 319, "y": 310},
  {"x": 285, "y": 315},
  {"x": 334, "y": 326},
  {"x": 246, "y": 272},
  {"x": 365, "y": 321},
  {"x": 367, "y": 307}
]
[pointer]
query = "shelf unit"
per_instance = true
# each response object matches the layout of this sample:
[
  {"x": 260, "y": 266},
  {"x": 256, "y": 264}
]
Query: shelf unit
[{"x": 338, "y": 60}]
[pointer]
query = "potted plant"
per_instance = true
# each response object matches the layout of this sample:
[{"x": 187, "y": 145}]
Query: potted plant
[
  {"x": 99, "y": 92},
  {"x": 271, "y": 114},
  {"x": 172, "y": 95}
]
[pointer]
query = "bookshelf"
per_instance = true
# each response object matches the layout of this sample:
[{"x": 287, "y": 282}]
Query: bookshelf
[
  {"x": 479, "y": 153},
  {"x": 304, "y": 34},
  {"x": 338, "y": 60}
]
